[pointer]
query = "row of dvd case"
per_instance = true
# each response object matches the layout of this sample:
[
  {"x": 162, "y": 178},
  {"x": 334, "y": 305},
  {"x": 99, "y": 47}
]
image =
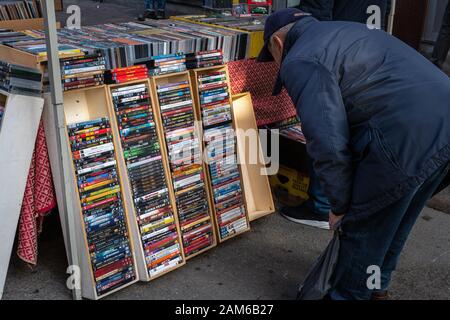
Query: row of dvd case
[{"x": 2, "y": 112}]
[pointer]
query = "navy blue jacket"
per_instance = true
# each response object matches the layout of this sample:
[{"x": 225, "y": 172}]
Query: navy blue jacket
[{"x": 376, "y": 114}]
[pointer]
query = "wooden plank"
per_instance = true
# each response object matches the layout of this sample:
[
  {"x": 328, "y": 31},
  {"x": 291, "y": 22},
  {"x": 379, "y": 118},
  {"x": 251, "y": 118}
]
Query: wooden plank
[
  {"x": 17, "y": 140},
  {"x": 18, "y": 57},
  {"x": 25, "y": 24},
  {"x": 256, "y": 185}
]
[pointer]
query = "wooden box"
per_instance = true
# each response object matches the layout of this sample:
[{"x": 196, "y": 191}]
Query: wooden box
[
  {"x": 83, "y": 105},
  {"x": 195, "y": 73},
  {"x": 175, "y": 78},
  {"x": 136, "y": 234}
]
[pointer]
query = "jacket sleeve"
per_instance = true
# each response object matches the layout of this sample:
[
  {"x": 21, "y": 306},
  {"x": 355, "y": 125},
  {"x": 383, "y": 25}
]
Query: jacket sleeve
[{"x": 317, "y": 97}]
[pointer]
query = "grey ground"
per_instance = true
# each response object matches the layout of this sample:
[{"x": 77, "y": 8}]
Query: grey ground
[{"x": 268, "y": 262}]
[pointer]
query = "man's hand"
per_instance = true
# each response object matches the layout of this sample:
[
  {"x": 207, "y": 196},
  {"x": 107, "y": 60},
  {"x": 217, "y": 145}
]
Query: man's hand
[{"x": 334, "y": 219}]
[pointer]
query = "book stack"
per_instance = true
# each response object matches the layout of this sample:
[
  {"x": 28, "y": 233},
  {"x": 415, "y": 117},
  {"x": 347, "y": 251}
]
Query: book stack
[
  {"x": 165, "y": 64},
  {"x": 82, "y": 72},
  {"x": 19, "y": 10},
  {"x": 101, "y": 203},
  {"x": 126, "y": 74},
  {"x": 220, "y": 141},
  {"x": 141, "y": 150},
  {"x": 204, "y": 59},
  {"x": 293, "y": 132},
  {"x": 185, "y": 157},
  {"x": 20, "y": 80},
  {"x": 291, "y": 129}
]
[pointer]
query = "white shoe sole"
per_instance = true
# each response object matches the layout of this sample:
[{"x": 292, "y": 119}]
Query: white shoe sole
[{"x": 324, "y": 225}]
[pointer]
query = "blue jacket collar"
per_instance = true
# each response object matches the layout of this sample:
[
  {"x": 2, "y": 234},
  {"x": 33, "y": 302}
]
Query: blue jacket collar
[{"x": 296, "y": 32}]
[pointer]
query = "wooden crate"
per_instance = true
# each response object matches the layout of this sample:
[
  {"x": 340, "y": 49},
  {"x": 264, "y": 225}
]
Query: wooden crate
[
  {"x": 139, "y": 250},
  {"x": 83, "y": 105},
  {"x": 174, "y": 78},
  {"x": 195, "y": 73}
]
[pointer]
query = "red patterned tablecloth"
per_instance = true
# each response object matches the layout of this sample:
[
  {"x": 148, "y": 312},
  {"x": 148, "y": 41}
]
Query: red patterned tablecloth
[
  {"x": 39, "y": 199},
  {"x": 259, "y": 79}
]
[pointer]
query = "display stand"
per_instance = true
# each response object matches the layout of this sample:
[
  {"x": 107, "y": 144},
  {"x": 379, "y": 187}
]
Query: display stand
[
  {"x": 195, "y": 73},
  {"x": 256, "y": 183},
  {"x": 83, "y": 105},
  {"x": 17, "y": 140},
  {"x": 136, "y": 234}
]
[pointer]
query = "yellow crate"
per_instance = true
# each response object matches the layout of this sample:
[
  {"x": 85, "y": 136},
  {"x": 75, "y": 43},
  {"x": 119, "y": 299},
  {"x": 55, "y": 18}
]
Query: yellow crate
[{"x": 295, "y": 183}]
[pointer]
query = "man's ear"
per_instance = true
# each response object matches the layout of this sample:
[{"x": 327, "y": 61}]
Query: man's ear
[{"x": 278, "y": 42}]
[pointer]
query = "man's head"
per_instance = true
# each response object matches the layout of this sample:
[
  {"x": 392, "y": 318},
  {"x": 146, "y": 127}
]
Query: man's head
[{"x": 276, "y": 28}]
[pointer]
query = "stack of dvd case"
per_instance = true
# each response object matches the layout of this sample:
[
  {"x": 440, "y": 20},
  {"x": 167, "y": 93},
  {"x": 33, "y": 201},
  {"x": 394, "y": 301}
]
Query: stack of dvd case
[
  {"x": 204, "y": 59},
  {"x": 20, "y": 80},
  {"x": 293, "y": 132},
  {"x": 142, "y": 154},
  {"x": 185, "y": 157},
  {"x": 126, "y": 74},
  {"x": 82, "y": 72},
  {"x": 103, "y": 213},
  {"x": 165, "y": 64},
  {"x": 220, "y": 141},
  {"x": 2, "y": 112}
]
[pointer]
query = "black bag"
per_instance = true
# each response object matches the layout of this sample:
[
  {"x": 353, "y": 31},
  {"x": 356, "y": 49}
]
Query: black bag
[
  {"x": 444, "y": 184},
  {"x": 318, "y": 282}
]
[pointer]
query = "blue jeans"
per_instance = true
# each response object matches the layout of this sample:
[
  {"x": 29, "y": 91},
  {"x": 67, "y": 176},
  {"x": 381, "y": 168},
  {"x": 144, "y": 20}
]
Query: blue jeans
[
  {"x": 378, "y": 241},
  {"x": 317, "y": 202},
  {"x": 153, "y": 5}
]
